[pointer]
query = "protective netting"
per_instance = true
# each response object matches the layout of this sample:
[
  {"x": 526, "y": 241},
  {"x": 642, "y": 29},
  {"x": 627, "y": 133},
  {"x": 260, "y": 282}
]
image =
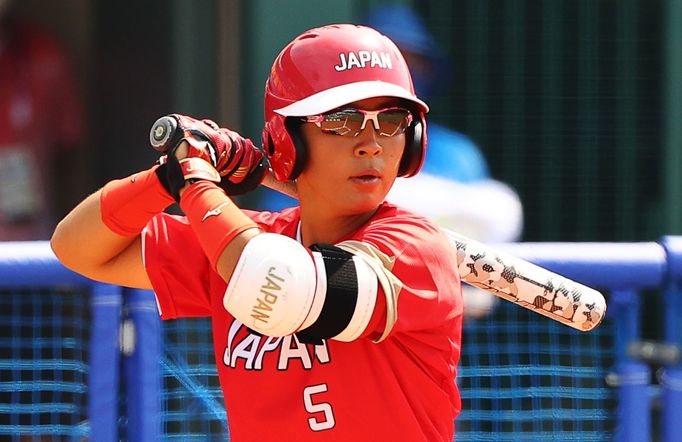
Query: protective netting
[
  {"x": 193, "y": 406},
  {"x": 44, "y": 338},
  {"x": 565, "y": 100},
  {"x": 523, "y": 377}
]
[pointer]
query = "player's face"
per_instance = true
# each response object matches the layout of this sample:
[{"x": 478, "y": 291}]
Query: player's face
[{"x": 351, "y": 174}]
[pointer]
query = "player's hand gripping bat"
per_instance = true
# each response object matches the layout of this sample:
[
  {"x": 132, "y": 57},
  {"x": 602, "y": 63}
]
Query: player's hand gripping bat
[{"x": 496, "y": 272}]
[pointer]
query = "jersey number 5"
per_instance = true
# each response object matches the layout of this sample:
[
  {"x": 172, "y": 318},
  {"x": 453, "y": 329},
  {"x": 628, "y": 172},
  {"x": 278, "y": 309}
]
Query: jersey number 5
[{"x": 321, "y": 407}]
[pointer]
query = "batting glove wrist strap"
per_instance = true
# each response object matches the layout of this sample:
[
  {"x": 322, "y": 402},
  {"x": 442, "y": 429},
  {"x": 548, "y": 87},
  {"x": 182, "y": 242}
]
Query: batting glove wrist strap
[
  {"x": 174, "y": 175},
  {"x": 128, "y": 204}
]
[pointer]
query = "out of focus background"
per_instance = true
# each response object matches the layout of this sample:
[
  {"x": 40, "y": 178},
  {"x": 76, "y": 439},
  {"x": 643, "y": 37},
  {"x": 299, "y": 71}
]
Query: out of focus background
[
  {"x": 575, "y": 104},
  {"x": 558, "y": 121}
]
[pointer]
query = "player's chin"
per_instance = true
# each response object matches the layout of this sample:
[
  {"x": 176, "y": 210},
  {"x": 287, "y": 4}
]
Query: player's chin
[{"x": 364, "y": 202}]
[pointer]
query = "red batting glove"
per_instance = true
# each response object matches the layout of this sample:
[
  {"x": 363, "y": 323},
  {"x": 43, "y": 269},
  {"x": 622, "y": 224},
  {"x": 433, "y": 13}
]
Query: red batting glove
[{"x": 214, "y": 154}]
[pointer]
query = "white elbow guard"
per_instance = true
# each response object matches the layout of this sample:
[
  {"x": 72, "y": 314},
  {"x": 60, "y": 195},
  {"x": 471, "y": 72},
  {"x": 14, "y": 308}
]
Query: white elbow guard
[
  {"x": 273, "y": 286},
  {"x": 279, "y": 287}
]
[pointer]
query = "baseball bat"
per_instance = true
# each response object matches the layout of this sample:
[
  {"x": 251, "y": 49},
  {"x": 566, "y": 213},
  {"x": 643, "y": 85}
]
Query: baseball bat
[{"x": 508, "y": 277}]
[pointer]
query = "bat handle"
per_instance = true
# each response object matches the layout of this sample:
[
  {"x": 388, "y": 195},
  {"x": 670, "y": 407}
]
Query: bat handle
[
  {"x": 286, "y": 187},
  {"x": 165, "y": 131},
  {"x": 162, "y": 132}
]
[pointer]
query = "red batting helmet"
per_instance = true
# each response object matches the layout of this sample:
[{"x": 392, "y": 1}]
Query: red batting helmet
[{"x": 325, "y": 68}]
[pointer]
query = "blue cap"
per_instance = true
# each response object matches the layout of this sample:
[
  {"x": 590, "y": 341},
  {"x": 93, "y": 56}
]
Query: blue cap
[{"x": 405, "y": 27}]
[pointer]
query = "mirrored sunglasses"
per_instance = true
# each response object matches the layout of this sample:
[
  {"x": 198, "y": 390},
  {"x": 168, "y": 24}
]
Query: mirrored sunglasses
[{"x": 389, "y": 122}]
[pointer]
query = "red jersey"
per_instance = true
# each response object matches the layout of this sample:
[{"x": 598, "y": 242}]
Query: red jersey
[
  {"x": 400, "y": 389},
  {"x": 40, "y": 111}
]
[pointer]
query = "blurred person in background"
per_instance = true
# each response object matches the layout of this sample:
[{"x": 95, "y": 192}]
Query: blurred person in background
[
  {"x": 455, "y": 170},
  {"x": 454, "y": 188},
  {"x": 41, "y": 120}
]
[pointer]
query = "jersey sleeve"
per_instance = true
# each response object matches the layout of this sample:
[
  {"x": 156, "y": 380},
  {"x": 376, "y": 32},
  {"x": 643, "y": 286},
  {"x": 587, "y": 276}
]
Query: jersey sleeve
[
  {"x": 177, "y": 267},
  {"x": 425, "y": 263}
]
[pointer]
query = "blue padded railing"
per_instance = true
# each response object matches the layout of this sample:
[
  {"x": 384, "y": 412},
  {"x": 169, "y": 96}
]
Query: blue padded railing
[{"x": 522, "y": 376}]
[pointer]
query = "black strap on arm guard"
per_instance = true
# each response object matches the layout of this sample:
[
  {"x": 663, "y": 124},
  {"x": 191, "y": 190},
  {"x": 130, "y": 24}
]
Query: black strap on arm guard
[{"x": 341, "y": 296}]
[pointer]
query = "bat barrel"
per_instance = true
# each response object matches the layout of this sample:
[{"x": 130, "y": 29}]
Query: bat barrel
[{"x": 528, "y": 285}]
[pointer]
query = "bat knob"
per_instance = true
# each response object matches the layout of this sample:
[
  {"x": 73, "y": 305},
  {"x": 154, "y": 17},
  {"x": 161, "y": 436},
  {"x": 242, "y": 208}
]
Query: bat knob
[{"x": 161, "y": 133}]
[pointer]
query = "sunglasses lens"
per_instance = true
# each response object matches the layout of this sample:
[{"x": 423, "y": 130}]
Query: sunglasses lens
[
  {"x": 345, "y": 122},
  {"x": 393, "y": 122},
  {"x": 349, "y": 122}
]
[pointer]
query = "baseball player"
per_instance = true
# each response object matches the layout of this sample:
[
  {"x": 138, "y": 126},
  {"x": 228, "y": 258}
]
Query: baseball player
[{"x": 335, "y": 320}]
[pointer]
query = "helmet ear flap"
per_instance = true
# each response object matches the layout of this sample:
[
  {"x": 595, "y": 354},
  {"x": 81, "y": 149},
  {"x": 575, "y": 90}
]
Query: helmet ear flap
[
  {"x": 293, "y": 126},
  {"x": 415, "y": 148},
  {"x": 280, "y": 148},
  {"x": 268, "y": 144}
]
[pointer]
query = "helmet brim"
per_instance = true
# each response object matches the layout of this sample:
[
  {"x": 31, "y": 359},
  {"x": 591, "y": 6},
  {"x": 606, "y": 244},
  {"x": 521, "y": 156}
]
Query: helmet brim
[{"x": 335, "y": 97}]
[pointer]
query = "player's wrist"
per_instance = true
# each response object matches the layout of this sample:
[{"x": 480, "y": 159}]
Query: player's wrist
[
  {"x": 214, "y": 218},
  {"x": 175, "y": 172},
  {"x": 129, "y": 203}
]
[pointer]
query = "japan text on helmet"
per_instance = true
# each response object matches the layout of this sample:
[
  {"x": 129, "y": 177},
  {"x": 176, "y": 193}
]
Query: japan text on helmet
[{"x": 325, "y": 68}]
